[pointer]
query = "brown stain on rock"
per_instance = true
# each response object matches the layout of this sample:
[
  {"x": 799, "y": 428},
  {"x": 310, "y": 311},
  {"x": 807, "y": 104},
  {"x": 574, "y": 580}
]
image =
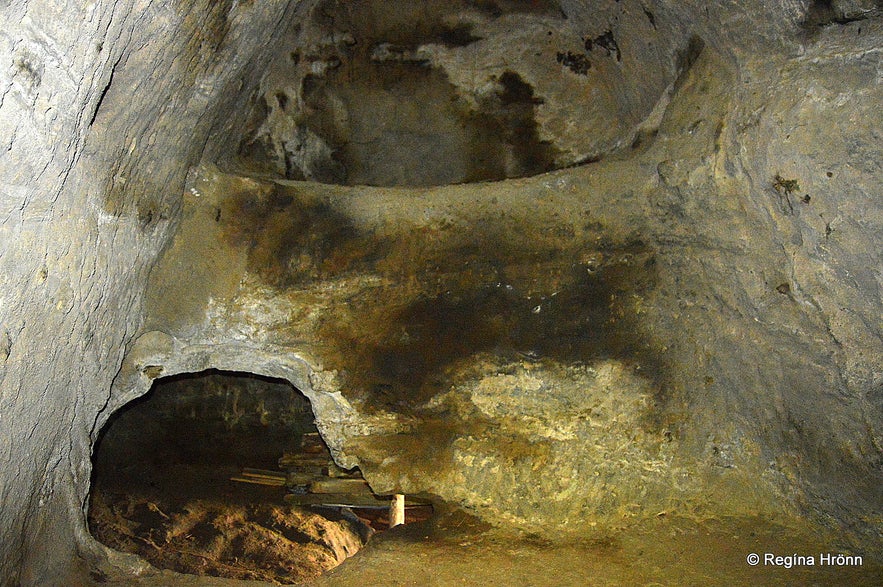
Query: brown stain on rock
[
  {"x": 206, "y": 24},
  {"x": 438, "y": 293},
  {"x": 379, "y": 112},
  {"x": 292, "y": 239},
  {"x": 420, "y": 107},
  {"x": 398, "y": 351},
  {"x": 508, "y": 121},
  {"x": 444, "y": 293}
]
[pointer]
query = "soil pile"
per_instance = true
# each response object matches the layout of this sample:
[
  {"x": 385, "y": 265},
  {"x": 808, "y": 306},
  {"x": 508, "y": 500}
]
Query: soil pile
[{"x": 275, "y": 543}]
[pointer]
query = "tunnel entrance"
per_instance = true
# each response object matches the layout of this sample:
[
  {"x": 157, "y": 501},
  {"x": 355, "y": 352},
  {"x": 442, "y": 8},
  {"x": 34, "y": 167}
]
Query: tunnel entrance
[{"x": 224, "y": 473}]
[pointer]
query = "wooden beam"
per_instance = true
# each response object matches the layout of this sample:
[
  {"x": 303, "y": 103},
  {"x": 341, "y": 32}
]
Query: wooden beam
[
  {"x": 263, "y": 474},
  {"x": 259, "y": 481},
  {"x": 348, "y": 500},
  {"x": 330, "y": 485},
  {"x": 337, "y": 499}
]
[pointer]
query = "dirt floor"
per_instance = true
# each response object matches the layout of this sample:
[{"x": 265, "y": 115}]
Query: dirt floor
[
  {"x": 667, "y": 551},
  {"x": 227, "y": 530}
]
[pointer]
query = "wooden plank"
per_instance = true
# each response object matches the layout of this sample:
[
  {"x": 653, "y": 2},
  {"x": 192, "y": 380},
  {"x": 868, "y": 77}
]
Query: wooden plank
[
  {"x": 330, "y": 485},
  {"x": 259, "y": 481},
  {"x": 312, "y": 443},
  {"x": 316, "y": 451},
  {"x": 288, "y": 461},
  {"x": 341, "y": 499},
  {"x": 301, "y": 478},
  {"x": 338, "y": 473},
  {"x": 264, "y": 474},
  {"x": 348, "y": 500}
]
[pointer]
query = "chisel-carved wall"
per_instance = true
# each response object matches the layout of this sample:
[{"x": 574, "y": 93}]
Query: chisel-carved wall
[{"x": 684, "y": 317}]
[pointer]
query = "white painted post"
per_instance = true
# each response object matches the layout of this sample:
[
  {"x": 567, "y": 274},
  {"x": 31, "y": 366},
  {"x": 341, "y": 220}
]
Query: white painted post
[{"x": 397, "y": 510}]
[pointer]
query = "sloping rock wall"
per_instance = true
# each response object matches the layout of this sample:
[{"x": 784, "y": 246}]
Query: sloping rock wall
[{"x": 104, "y": 107}]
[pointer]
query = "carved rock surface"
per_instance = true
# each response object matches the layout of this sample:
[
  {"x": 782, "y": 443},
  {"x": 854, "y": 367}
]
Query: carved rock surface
[
  {"x": 451, "y": 92},
  {"x": 691, "y": 323}
]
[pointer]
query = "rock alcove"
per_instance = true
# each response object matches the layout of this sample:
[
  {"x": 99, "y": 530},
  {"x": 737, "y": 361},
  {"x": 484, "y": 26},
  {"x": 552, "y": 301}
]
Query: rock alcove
[
  {"x": 436, "y": 93},
  {"x": 589, "y": 273}
]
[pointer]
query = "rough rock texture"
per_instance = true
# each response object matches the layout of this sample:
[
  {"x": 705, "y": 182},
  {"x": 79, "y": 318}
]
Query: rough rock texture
[
  {"x": 473, "y": 91},
  {"x": 103, "y": 110},
  {"x": 692, "y": 323}
]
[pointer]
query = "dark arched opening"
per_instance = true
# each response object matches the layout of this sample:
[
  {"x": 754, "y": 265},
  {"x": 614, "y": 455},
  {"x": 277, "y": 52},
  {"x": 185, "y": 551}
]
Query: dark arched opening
[{"x": 224, "y": 473}]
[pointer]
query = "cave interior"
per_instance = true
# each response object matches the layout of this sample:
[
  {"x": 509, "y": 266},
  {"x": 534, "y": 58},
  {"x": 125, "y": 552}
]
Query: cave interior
[{"x": 575, "y": 288}]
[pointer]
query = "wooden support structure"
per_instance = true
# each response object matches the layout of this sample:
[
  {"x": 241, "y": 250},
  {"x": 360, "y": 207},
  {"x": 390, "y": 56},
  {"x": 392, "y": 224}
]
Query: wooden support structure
[
  {"x": 314, "y": 479},
  {"x": 337, "y": 500},
  {"x": 261, "y": 477},
  {"x": 351, "y": 500},
  {"x": 263, "y": 474},
  {"x": 259, "y": 481},
  {"x": 331, "y": 485}
]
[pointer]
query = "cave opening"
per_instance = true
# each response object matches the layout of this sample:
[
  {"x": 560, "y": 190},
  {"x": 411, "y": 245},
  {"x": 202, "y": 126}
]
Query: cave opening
[{"x": 225, "y": 473}]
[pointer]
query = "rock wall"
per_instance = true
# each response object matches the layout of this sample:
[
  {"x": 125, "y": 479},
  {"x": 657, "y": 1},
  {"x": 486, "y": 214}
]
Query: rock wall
[
  {"x": 104, "y": 107},
  {"x": 570, "y": 349},
  {"x": 716, "y": 286},
  {"x": 454, "y": 92}
]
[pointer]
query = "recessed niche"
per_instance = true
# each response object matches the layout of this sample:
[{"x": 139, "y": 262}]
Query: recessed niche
[
  {"x": 225, "y": 474},
  {"x": 387, "y": 93}
]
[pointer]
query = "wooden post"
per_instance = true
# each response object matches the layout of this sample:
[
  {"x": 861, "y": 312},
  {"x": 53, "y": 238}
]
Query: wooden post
[{"x": 397, "y": 510}]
